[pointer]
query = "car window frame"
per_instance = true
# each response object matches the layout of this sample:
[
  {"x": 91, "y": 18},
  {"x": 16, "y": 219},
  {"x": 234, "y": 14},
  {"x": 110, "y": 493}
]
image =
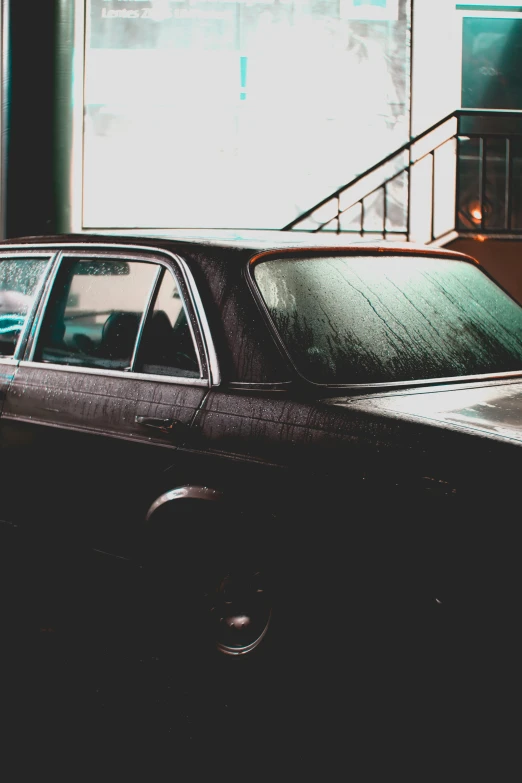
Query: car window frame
[
  {"x": 321, "y": 252},
  {"x": 191, "y": 302},
  {"x": 11, "y": 253}
]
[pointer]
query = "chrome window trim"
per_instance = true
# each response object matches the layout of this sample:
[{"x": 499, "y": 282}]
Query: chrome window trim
[
  {"x": 199, "y": 311},
  {"x": 152, "y": 295},
  {"x": 9, "y": 361},
  {"x": 450, "y": 379},
  {"x": 140, "y": 253},
  {"x": 189, "y": 320},
  {"x": 44, "y": 301},
  {"x": 164, "y": 265},
  {"x": 378, "y": 385},
  {"x": 43, "y": 251},
  {"x": 137, "y": 376}
]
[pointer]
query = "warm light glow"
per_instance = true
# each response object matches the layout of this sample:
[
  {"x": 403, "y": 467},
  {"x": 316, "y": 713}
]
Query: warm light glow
[{"x": 475, "y": 212}]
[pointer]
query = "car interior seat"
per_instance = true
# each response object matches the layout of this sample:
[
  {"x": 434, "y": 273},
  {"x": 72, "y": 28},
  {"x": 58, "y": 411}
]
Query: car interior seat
[
  {"x": 156, "y": 342},
  {"x": 119, "y": 335},
  {"x": 165, "y": 347},
  {"x": 184, "y": 352}
]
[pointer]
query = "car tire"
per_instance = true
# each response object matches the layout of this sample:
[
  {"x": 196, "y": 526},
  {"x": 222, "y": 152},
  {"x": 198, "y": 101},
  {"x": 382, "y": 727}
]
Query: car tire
[{"x": 206, "y": 591}]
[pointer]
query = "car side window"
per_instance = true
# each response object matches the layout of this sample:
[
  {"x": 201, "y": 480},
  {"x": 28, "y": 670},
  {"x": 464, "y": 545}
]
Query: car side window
[
  {"x": 19, "y": 280},
  {"x": 167, "y": 346},
  {"x": 94, "y": 313}
]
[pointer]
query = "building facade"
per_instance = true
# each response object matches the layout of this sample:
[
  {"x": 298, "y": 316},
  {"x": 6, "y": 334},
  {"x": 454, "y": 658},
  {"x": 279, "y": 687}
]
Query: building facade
[{"x": 399, "y": 119}]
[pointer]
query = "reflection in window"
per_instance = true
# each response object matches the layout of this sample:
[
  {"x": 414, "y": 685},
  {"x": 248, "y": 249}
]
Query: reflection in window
[
  {"x": 94, "y": 313},
  {"x": 19, "y": 279}
]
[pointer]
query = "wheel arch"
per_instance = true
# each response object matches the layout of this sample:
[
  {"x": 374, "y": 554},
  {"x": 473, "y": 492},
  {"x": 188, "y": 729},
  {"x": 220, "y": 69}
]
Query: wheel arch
[
  {"x": 202, "y": 520},
  {"x": 187, "y": 493}
]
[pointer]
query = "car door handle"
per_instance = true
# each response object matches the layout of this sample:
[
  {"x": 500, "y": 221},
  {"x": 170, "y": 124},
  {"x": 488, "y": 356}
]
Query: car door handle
[{"x": 164, "y": 425}]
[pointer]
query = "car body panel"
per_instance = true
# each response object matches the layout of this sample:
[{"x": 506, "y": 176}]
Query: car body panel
[
  {"x": 99, "y": 402},
  {"x": 354, "y": 477},
  {"x": 357, "y": 436},
  {"x": 493, "y": 410},
  {"x": 7, "y": 371},
  {"x": 76, "y": 434}
]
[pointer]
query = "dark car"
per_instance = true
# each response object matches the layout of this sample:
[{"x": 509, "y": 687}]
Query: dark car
[{"x": 285, "y": 433}]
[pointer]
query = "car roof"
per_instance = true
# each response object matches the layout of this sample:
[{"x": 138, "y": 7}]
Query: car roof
[{"x": 251, "y": 241}]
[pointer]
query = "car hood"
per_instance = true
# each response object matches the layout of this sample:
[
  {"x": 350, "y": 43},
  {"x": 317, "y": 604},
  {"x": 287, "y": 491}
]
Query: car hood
[{"x": 493, "y": 409}]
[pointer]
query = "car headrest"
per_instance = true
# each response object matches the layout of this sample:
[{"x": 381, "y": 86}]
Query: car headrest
[
  {"x": 119, "y": 335},
  {"x": 157, "y": 338}
]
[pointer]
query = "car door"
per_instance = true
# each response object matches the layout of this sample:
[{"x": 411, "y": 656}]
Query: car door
[
  {"x": 105, "y": 395},
  {"x": 22, "y": 276}
]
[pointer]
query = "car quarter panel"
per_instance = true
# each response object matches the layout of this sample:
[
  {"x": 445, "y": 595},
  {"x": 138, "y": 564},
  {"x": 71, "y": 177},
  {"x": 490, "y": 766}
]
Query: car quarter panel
[
  {"x": 378, "y": 504},
  {"x": 247, "y": 351},
  {"x": 351, "y": 438}
]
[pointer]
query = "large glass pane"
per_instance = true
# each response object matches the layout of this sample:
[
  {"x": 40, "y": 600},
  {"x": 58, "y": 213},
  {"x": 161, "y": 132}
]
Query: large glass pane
[
  {"x": 202, "y": 113},
  {"x": 167, "y": 347},
  {"x": 375, "y": 319},
  {"x": 94, "y": 313},
  {"x": 491, "y": 63},
  {"x": 19, "y": 279}
]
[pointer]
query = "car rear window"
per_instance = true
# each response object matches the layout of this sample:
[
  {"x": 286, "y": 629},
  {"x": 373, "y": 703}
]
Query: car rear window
[{"x": 378, "y": 319}]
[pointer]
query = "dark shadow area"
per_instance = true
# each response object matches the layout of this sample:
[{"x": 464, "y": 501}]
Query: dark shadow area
[
  {"x": 30, "y": 196},
  {"x": 85, "y": 687}
]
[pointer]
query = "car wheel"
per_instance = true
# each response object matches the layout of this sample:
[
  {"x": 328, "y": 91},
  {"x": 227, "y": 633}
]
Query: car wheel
[
  {"x": 239, "y": 611},
  {"x": 202, "y": 600}
]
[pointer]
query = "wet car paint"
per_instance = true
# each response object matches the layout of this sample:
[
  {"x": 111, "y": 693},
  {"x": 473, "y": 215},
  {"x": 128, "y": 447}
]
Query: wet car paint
[{"x": 379, "y": 491}]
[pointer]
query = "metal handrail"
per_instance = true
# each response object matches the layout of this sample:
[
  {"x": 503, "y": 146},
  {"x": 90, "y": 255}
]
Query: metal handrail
[{"x": 409, "y": 147}]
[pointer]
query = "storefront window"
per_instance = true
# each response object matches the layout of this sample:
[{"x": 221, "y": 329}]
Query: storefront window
[{"x": 222, "y": 114}]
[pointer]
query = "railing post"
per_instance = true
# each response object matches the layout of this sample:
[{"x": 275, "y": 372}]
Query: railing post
[
  {"x": 482, "y": 179},
  {"x": 457, "y": 179},
  {"x": 432, "y": 228},
  {"x": 509, "y": 178},
  {"x": 384, "y": 210},
  {"x": 408, "y": 201}
]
